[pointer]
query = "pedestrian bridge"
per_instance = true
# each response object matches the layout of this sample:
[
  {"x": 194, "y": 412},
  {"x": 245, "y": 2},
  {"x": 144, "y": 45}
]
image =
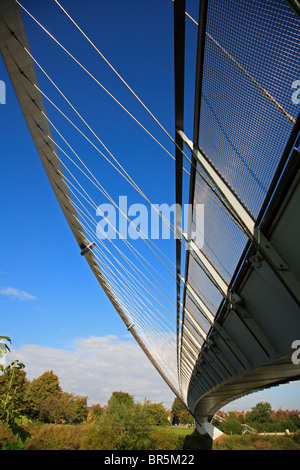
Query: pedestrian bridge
[{"x": 231, "y": 324}]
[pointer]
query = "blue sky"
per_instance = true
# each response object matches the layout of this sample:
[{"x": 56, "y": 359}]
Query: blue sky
[{"x": 51, "y": 305}]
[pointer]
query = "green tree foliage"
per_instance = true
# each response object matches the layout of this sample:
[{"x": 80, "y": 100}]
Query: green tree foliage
[
  {"x": 95, "y": 412},
  {"x": 44, "y": 386},
  {"x": 62, "y": 408},
  {"x": 185, "y": 417},
  {"x": 55, "y": 409},
  {"x": 41, "y": 388},
  {"x": 13, "y": 385},
  {"x": 120, "y": 398},
  {"x": 231, "y": 425},
  {"x": 261, "y": 418},
  {"x": 125, "y": 425},
  {"x": 180, "y": 413},
  {"x": 12, "y": 404},
  {"x": 163, "y": 439},
  {"x": 79, "y": 408},
  {"x": 260, "y": 413},
  {"x": 157, "y": 413},
  {"x": 282, "y": 421},
  {"x": 50, "y": 404}
]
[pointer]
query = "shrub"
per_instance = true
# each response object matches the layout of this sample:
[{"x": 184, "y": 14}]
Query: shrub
[
  {"x": 55, "y": 437},
  {"x": 124, "y": 426},
  {"x": 231, "y": 425},
  {"x": 162, "y": 439}
]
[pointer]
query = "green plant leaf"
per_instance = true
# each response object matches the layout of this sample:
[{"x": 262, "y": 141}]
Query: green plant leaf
[
  {"x": 6, "y": 338},
  {"x": 2, "y": 349}
]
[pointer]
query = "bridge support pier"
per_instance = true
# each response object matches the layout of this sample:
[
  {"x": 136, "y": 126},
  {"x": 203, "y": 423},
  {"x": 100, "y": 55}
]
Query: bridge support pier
[{"x": 204, "y": 427}]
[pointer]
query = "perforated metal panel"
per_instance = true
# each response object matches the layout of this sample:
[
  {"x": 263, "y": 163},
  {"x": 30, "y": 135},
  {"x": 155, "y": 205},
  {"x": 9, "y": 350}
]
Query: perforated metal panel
[{"x": 251, "y": 59}]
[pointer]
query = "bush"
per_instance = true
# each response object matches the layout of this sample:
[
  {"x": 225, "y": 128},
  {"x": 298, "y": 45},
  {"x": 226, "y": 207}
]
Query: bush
[
  {"x": 256, "y": 442},
  {"x": 296, "y": 437},
  {"x": 231, "y": 425},
  {"x": 55, "y": 437},
  {"x": 162, "y": 438},
  {"x": 124, "y": 426}
]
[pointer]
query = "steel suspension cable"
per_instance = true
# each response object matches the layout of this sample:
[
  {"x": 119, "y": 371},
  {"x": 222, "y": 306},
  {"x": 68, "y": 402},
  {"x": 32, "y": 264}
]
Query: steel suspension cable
[
  {"x": 131, "y": 248},
  {"x": 188, "y": 159}
]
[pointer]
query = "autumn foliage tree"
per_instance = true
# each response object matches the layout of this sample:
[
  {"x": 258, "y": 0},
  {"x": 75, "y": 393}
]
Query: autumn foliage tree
[
  {"x": 63, "y": 408},
  {"x": 50, "y": 404},
  {"x": 55, "y": 409},
  {"x": 42, "y": 388},
  {"x": 95, "y": 413}
]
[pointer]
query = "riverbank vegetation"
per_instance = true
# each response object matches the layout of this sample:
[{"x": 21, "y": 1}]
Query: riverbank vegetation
[{"x": 38, "y": 414}]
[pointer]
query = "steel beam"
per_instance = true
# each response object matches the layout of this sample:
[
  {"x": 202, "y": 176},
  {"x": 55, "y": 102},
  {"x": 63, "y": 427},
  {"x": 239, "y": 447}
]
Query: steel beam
[
  {"x": 179, "y": 57},
  {"x": 211, "y": 271},
  {"x": 237, "y": 209},
  {"x": 278, "y": 264},
  {"x": 197, "y": 108},
  {"x": 208, "y": 314}
]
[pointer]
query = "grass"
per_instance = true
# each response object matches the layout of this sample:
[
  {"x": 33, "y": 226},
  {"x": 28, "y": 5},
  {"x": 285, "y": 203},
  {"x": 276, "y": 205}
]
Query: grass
[
  {"x": 257, "y": 442},
  {"x": 182, "y": 431},
  {"x": 55, "y": 436},
  {"x": 190, "y": 439}
]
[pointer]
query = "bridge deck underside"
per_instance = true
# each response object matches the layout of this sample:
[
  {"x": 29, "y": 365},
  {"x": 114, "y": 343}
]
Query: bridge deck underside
[
  {"x": 278, "y": 372},
  {"x": 239, "y": 326},
  {"x": 250, "y": 346}
]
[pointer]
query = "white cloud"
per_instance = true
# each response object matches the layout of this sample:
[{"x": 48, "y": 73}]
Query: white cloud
[
  {"x": 14, "y": 293},
  {"x": 96, "y": 367}
]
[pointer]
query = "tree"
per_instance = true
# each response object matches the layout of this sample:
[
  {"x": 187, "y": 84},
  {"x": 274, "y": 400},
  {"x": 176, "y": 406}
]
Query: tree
[
  {"x": 79, "y": 407},
  {"x": 156, "y": 413},
  {"x": 63, "y": 407},
  {"x": 12, "y": 405},
  {"x": 162, "y": 439},
  {"x": 231, "y": 424},
  {"x": 43, "y": 387},
  {"x": 95, "y": 412},
  {"x": 185, "y": 417},
  {"x": 119, "y": 398},
  {"x": 260, "y": 413},
  {"x": 124, "y": 426},
  {"x": 177, "y": 408},
  {"x": 13, "y": 382},
  {"x": 282, "y": 420},
  {"x": 55, "y": 409}
]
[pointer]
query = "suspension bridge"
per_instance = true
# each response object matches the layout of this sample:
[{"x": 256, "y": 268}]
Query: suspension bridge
[{"x": 215, "y": 308}]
